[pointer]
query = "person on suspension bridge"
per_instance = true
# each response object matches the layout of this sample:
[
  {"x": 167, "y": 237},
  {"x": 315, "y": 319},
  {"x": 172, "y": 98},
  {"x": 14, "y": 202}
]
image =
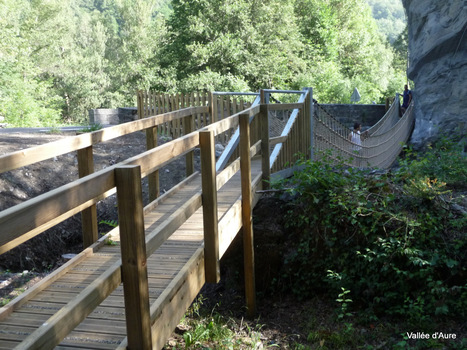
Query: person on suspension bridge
[
  {"x": 355, "y": 137},
  {"x": 406, "y": 98}
]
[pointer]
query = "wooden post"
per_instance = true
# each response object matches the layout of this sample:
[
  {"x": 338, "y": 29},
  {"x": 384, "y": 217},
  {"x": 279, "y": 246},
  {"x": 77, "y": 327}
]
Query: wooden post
[
  {"x": 265, "y": 168},
  {"x": 145, "y": 106},
  {"x": 188, "y": 127},
  {"x": 153, "y": 178},
  {"x": 134, "y": 264},
  {"x": 88, "y": 215},
  {"x": 213, "y": 109},
  {"x": 139, "y": 101},
  {"x": 247, "y": 222},
  {"x": 262, "y": 97},
  {"x": 312, "y": 122},
  {"x": 210, "y": 221}
]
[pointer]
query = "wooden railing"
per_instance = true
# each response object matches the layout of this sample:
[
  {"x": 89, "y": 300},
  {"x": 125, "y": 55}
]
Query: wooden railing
[
  {"x": 27, "y": 228},
  {"x": 221, "y": 105},
  {"x": 30, "y": 218},
  {"x": 216, "y": 106},
  {"x": 26, "y": 220}
]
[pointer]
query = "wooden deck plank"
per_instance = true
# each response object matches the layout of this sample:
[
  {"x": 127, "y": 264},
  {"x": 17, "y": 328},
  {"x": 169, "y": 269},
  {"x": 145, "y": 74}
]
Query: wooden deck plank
[{"x": 7, "y": 344}]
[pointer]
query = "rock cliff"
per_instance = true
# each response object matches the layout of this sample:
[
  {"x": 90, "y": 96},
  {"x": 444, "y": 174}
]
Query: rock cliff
[{"x": 438, "y": 66}]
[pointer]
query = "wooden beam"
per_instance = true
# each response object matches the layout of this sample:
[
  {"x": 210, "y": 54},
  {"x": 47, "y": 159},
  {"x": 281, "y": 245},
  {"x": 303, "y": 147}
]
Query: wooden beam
[
  {"x": 25, "y": 220},
  {"x": 265, "y": 166},
  {"x": 210, "y": 221},
  {"x": 278, "y": 139},
  {"x": 153, "y": 177},
  {"x": 39, "y": 153},
  {"x": 188, "y": 127},
  {"x": 226, "y": 174},
  {"x": 230, "y": 225},
  {"x": 139, "y": 103},
  {"x": 164, "y": 154},
  {"x": 262, "y": 96},
  {"x": 213, "y": 108},
  {"x": 88, "y": 215},
  {"x": 222, "y": 125},
  {"x": 255, "y": 149},
  {"x": 247, "y": 222},
  {"x": 134, "y": 261},
  {"x": 28, "y": 219},
  {"x": 284, "y": 106}
]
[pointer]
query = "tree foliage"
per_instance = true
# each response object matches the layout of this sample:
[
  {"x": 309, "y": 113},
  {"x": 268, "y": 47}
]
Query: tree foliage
[
  {"x": 395, "y": 243},
  {"x": 390, "y": 17},
  {"x": 252, "y": 44},
  {"x": 61, "y": 58}
]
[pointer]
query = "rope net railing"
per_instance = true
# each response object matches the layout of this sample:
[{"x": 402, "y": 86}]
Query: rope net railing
[
  {"x": 390, "y": 118},
  {"x": 380, "y": 145}
]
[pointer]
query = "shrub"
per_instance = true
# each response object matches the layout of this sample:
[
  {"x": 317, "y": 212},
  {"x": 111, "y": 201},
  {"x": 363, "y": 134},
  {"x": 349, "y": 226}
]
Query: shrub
[{"x": 394, "y": 242}]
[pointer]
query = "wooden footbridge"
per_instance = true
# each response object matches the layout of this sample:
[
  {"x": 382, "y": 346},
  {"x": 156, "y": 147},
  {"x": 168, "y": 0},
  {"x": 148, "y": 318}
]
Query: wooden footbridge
[{"x": 130, "y": 288}]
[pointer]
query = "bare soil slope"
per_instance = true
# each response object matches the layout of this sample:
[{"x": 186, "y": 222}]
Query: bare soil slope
[{"x": 44, "y": 252}]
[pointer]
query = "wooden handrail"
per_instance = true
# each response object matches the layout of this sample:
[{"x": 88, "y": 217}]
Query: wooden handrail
[
  {"x": 28, "y": 219},
  {"x": 284, "y": 106},
  {"x": 50, "y": 150},
  {"x": 21, "y": 222}
]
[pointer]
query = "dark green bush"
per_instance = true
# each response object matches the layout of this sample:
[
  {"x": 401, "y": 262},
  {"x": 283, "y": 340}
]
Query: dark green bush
[{"x": 393, "y": 240}]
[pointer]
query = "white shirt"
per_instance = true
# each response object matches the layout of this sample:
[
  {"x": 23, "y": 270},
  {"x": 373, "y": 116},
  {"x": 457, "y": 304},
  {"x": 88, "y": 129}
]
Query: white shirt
[{"x": 355, "y": 138}]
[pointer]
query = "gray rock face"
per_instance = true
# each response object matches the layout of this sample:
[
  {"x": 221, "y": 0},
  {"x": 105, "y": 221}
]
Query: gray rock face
[{"x": 438, "y": 66}]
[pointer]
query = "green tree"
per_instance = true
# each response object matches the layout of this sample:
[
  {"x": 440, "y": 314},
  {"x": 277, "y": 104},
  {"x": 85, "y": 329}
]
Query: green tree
[
  {"x": 244, "y": 43},
  {"x": 136, "y": 47},
  {"x": 26, "y": 96},
  {"x": 390, "y": 17},
  {"x": 64, "y": 58},
  {"x": 82, "y": 78},
  {"x": 60, "y": 59},
  {"x": 345, "y": 47}
]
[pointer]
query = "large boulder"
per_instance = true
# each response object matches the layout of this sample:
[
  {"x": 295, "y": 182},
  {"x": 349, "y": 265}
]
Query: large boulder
[{"x": 438, "y": 67}]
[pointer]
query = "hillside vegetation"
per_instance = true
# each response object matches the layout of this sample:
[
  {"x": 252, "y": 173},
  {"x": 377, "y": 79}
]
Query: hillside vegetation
[
  {"x": 390, "y": 17},
  {"x": 368, "y": 261},
  {"x": 61, "y": 58}
]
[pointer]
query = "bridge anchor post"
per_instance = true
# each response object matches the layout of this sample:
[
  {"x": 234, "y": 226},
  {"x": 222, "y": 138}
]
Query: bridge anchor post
[
  {"x": 264, "y": 126},
  {"x": 210, "y": 219},
  {"x": 134, "y": 264},
  {"x": 247, "y": 222}
]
